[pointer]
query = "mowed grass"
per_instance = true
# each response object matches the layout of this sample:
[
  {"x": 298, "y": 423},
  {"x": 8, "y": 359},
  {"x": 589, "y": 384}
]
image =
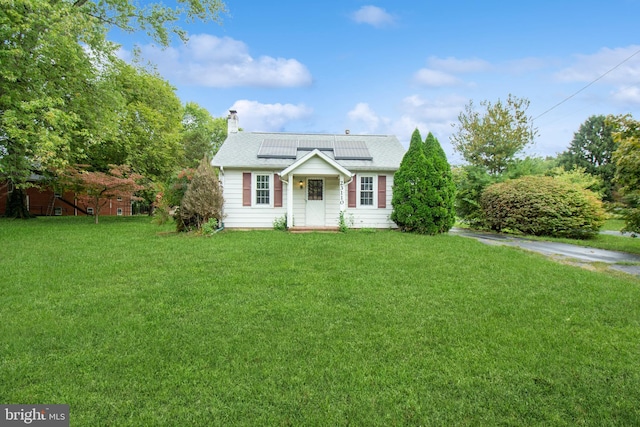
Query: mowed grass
[{"x": 133, "y": 325}]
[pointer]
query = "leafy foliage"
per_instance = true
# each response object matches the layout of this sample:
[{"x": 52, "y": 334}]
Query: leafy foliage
[
  {"x": 627, "y": 160},
  {"x": 202, "y": 200},
  {"x": 42, "y": 123},
  {"x": 201, "y": 135},
  {"x": 442, "y": 189},
  {"x": 149, "y": 125},
  {"x": 494, "y": 138},
  {"x": 60, "y": 98},
  {"x": 280, "y": 223},
  {"x": 578, "y": 176},
  {"x": 542, "y": 206},
  {"x": 423, "y": 189},
  {"x": 470, "y": 182},
  {"x": 592, "y": 150}
]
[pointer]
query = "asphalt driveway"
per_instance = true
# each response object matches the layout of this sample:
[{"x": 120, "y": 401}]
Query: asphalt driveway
[{"x": 621, "y": 261}]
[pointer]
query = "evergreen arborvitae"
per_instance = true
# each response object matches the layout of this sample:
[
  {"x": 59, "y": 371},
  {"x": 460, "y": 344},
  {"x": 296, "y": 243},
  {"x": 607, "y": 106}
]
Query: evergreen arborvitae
[
  {"x": 423, "y": 188},
  {"x": 442, "y": 189},
  {"x": 202, "y": 200}
]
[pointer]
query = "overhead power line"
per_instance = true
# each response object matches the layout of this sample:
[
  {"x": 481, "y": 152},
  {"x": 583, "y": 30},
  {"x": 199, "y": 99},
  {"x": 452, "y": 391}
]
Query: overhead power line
[{"x": 585, "y": 87}]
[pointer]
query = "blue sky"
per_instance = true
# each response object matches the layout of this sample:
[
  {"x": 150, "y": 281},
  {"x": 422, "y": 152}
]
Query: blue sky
[{"x": 388, "y": 67}]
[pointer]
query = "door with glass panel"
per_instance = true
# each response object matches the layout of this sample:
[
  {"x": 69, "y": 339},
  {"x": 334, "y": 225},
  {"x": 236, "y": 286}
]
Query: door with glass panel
[{"x": 315, "y": 202}]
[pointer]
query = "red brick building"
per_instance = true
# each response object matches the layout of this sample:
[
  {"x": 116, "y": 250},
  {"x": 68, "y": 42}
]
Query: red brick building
[{"x": 46, "y": 202}]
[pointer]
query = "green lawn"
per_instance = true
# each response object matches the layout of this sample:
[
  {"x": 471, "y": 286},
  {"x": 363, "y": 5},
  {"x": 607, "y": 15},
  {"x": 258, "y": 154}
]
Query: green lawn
[
  {"x": 613, "y": 225},
  {"x": 132, "y": 325}
]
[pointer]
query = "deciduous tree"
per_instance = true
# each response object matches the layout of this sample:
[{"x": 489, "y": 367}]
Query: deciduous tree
[
  {"x": 592, "y": 148},
  {"x": 201, "y": 135},
  {"x": 52, "y": 91},
  {"x": 627, "y": 160},
  {"x": 95, "y": 189},
  {"x": 149, "y": 125},
  {"x": 493, "y": 138}
]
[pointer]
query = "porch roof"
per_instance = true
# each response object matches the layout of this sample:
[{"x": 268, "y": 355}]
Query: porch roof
[{"x": 316, "y": 153}]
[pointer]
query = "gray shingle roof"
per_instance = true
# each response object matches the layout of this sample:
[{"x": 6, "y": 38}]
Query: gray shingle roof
[{"x": 240, "y": 150}]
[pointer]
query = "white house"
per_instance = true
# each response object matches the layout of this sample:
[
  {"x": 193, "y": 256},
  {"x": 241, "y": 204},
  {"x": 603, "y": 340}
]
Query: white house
[{"x": 307, "y": 178}]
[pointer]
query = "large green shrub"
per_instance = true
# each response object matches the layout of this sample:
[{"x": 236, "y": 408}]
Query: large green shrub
[
  {"x": 423, "y": 189},
  {"x": 542, "y": 205}
]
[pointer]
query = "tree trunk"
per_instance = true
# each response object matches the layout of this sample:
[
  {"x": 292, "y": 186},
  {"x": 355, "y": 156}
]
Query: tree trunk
[{"x": 17, "y": 205}]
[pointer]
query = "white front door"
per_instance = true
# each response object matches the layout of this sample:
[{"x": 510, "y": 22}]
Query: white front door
[{"x": 315, "y": 202}]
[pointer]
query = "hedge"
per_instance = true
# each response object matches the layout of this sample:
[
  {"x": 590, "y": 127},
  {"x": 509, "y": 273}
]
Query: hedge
[{"x": 542, "y": 206}]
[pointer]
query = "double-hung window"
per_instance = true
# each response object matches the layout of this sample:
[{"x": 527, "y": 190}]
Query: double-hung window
[
  {"x": 366, "y": 191},
  {"x": 262, "y": 189}
]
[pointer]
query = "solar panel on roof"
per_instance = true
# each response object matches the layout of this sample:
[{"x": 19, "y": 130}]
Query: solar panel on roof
[
  {"x": 288, "y": 149},
  {"x": 312, "y": 144},
  {"x": 352, "y": 150},
  {"x": 278, "y": 149}
]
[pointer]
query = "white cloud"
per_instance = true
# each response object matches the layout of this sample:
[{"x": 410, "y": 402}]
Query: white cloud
[
  {"x": 627, "y": 95},
  {"x": 124, "y": 54},
  {"x": 441, "y": 72},
  {"x": 526, "y": 65},
  {"x": 257, "y": 117},
  {"x": 224, "y": 62},
  {"x": 365, "y": 119},
  {"x": 458, "y": 66},
  {"x": 587, "y": 68},
  {"x": 427, "y": 115},
  {"x": 374, "y": 16},
  {"x": 435, "y": 78},
  {"x": 435, "y": 111}
]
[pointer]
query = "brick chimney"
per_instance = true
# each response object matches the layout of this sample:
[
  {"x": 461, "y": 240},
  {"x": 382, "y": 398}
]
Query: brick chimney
[{"x": 232, "y": 122}]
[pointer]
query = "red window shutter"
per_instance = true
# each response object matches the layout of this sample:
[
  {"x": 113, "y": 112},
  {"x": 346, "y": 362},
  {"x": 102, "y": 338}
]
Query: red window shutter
[
  {"x": 353, "y": 192},
  {"x": 246, "y": 189},
  {"x": 277, "y": 191},
  {"x": 382, "y": 191}
]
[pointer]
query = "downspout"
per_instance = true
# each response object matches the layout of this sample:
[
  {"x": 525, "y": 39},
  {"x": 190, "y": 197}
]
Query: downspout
[
  {"x": 346, "y": 185},
  {"x": 288, "y": 201},
  {"x": 221, "y": 225}
]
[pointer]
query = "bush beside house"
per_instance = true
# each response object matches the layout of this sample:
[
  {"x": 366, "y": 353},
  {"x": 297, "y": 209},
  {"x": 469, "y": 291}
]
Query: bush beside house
[
  {"x": 202, "y": 201},
  {"x": 542, "y": 206},
  {"x": 423, "y": 190}
]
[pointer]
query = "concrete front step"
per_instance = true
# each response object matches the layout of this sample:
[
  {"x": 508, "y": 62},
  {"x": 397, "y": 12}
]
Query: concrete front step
[{"x": 313, "y": 229}]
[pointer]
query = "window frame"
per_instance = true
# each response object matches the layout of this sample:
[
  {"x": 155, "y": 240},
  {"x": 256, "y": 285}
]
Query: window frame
[
  {"x": 373, "y": 191},
  {"x": 322, "y": 194},
  {"x": 255, "y": 189}
]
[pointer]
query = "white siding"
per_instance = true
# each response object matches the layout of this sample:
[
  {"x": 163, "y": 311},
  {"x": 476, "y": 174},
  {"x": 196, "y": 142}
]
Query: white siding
[
  {"x": 238, "y": 216},
  {"x": 315, "y": 167},
  {"x": 299, "y": 206},
  {"x": 332, "y": 198},
  {"x": 372, "y": 216}
]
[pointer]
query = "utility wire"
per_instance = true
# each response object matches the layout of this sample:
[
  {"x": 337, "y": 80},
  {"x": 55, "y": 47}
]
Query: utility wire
[{"x": 585, "y": 87}]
